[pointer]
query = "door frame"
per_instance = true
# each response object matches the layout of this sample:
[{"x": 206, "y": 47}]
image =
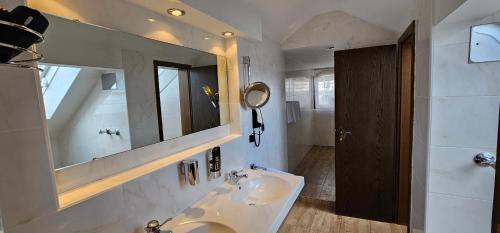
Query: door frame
[
  {"x": 404, "y": 218},
  {"x": 156, "y": 65}
]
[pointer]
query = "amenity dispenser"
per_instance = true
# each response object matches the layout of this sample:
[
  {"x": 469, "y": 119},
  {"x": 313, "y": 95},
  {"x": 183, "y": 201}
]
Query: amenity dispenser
[
  {"x": 190, "y": 171},
  {"x": 214, "y": 163}
]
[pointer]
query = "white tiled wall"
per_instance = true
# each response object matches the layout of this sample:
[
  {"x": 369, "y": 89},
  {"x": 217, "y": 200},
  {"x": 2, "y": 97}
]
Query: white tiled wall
[{"x": 465, "y": 101}]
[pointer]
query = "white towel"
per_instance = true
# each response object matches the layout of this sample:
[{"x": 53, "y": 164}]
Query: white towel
[
  {"x": 296, "y": 110},
  {"x": 292, "y": 111}
]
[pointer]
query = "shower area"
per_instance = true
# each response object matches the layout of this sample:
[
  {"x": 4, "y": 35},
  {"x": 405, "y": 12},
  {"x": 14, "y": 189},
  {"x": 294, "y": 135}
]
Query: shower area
[{"x": 310, "y": 106}]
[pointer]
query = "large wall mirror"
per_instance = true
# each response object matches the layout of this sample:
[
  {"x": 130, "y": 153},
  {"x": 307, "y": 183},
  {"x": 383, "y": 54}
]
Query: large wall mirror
[
  {"x": 485, "y": 43},
  {"x": 106, "y": 92}
]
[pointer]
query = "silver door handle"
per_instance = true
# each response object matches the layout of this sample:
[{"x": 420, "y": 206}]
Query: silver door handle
[{"x": 485, "y": 159}]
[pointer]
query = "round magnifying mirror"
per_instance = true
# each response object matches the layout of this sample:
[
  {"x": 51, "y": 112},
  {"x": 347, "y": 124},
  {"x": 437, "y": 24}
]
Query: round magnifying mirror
[{"x": 256, "y": 95}]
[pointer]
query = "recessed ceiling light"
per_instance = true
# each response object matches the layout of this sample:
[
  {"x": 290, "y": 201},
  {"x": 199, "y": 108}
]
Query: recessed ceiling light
[
  {"x": 332, "y": 48},
  {"x": 176, "y": 12},
  {"x": 206, "y": 38},
  {"x": 152, "y": 20},
  {"x": 228, "y": 34}
]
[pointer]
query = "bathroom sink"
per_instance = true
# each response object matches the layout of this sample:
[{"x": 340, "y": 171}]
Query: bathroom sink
[
  {"x": 262, "y": 190},
  {"x": 202, "y": 227}
]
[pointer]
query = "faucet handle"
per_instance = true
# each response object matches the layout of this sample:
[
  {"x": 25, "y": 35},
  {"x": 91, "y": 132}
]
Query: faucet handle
[{"x": 154, "y": 226}]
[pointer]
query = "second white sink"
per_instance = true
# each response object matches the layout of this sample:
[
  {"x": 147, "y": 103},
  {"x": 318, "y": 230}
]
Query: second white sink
[
  {"x": 202, "y": 227},
  {"x": 261, "y": 190}
]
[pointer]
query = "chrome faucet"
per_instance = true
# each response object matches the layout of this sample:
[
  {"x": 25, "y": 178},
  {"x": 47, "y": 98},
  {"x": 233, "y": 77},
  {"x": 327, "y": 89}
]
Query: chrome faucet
[
  {"x": 236, "y": 176},
  {"x": 154, "y": 226},
  {"x": 254, "y": 166}
]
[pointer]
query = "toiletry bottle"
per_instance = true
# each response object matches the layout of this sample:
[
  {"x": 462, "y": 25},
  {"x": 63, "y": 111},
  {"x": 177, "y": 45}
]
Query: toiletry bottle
[{"x": 214, "y": 163}]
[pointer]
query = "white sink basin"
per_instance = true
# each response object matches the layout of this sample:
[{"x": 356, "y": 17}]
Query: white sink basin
[
  {"x": 262, "y": 190},
  {"x": 231, "y": 209},
  {"x": 202, "y": 227}
]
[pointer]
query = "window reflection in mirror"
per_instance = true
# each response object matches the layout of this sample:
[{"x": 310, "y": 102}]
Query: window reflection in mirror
[
  {"x": 81, "y": 103},
  {"x": 485, "y": 43}
]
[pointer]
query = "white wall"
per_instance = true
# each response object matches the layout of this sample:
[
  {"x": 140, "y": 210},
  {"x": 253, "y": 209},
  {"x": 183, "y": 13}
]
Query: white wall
[
  {"x": 421, "y": 132},
  {"x": 315, "y": 127},
  {"x": 29, "y": 205},
  {"x": 465, "y": 100},
  {"x": 170, "y": 100},
  {"x": 443, "y": 8}
]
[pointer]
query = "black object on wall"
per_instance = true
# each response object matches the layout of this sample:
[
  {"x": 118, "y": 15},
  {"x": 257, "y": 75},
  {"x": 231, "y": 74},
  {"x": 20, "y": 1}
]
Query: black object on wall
[
  {"x": 256, "y": 124},
  {"x": 19, "y": 28}
]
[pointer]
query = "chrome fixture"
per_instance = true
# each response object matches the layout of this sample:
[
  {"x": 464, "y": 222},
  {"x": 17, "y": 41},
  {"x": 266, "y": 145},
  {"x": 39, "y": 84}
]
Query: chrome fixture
[
  {"x": 20, "y": 29},
  {"x": 214, "y": 163},
  {"x": 255, "y": 96},
  {"x": 485, "y": 159},
  {"x": 253, "y": 166},
  {"x": 35, "y": 55},
  {"x": 236, "y": 176},
  {"x": 108, "y": 131},
  {"x": 154, "y": 226},
  {"x": 343, "y": 135},
  {"x": 190, "y": 171}
]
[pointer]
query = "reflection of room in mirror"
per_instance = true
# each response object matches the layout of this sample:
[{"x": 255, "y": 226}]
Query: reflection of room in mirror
[
  {"x": 97, "y": 112},
  {"x": 187, "y": 95},
  {"x": 170, "y": 102},
  {"x": 79, "y": 103}
]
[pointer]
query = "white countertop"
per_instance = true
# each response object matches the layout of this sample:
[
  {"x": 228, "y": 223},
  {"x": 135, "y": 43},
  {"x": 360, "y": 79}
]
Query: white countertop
[{"x": 219, "y": 206}]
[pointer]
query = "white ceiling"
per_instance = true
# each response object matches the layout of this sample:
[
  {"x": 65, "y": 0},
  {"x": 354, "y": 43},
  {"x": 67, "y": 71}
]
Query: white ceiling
[{"x": 281, "y": 18}]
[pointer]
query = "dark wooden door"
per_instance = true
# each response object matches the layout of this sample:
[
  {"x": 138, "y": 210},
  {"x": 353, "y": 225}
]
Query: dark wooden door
[
  {"x": 204, "y": 115},
  {"x": 365, "y": 120}
]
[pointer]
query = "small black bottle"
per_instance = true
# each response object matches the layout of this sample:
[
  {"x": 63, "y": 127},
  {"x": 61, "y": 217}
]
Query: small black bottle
[{"x": 214, "y": 163}]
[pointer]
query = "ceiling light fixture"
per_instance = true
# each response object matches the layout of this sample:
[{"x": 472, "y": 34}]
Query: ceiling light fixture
[
  {"x": 176, "y": 12},
  {"x": 152, "y": 20},
  {"x": 228, "y": 34},
  {"x": 206, "y": 38},
  {"x": 332, "y": 48}
]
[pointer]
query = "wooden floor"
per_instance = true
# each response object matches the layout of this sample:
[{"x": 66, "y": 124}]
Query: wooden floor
[
  {"x": 318, "y": 170},
  {"x": 314, "y": 211},
  {"x": 317, "y": 216}
]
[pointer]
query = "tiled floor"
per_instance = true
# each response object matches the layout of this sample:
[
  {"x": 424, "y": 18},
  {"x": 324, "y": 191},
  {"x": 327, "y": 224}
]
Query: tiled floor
[
  {"x": 318, "y": 169},
  {"x": 316, "y": 216}
]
